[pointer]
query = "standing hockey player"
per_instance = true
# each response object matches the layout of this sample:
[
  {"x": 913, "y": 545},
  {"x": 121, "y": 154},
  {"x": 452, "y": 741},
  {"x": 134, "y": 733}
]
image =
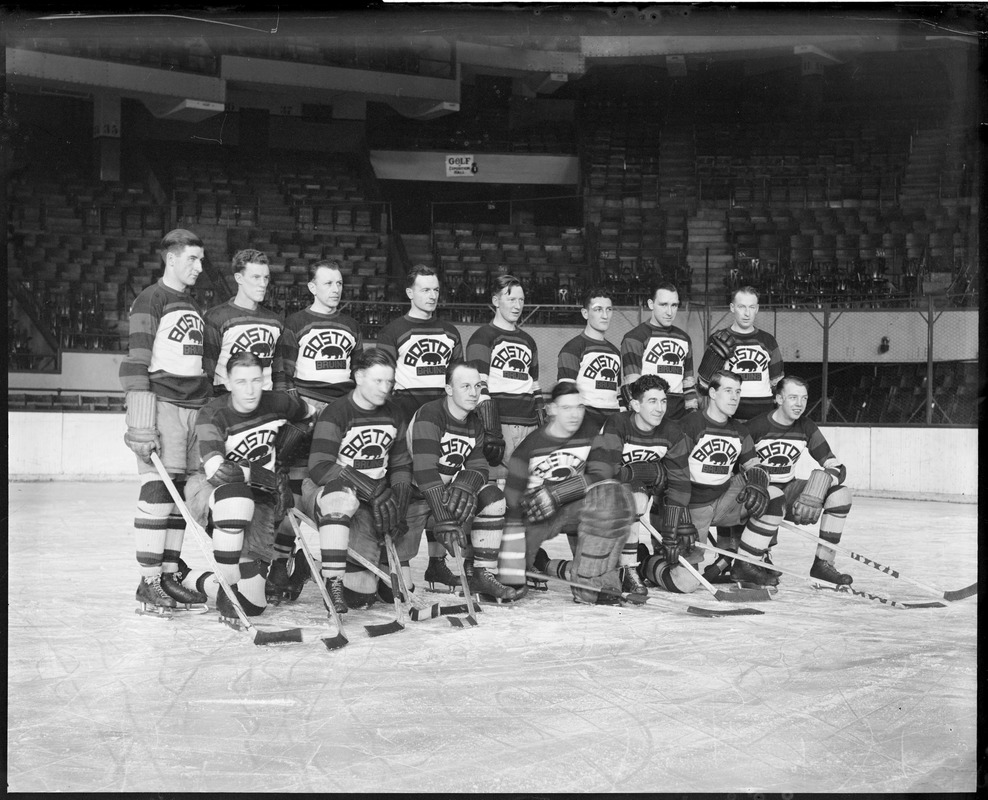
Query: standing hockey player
[
  {"x": 167, "y": 380},
  {"x": 316, "y": 350},
  {"x": 647, "y": 451},
  {"x": 754, "y": 356},
  {"x": 716, "y": 443},
  {"x": 548, "y": 493},
  {"x": 237, "y": 487},
  {"x": 781, "y": 436},
  {"x": 592, "y": 362},
  {"x": 453, "y": 499},
  {"x": 359, "y": 480},
  {"x": 242, "y": 323},
  {"x": 657, "y": 347},
  {"x": 511, "y": 404}
]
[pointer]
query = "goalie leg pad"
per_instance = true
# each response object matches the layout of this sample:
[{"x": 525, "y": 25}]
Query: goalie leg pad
[{"x": 608, "y": 511}]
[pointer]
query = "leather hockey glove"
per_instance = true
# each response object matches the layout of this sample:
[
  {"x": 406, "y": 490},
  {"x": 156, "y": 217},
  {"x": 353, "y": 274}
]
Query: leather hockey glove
[
  {"x": 650, "y": 474},
  {"x": 679, "y": 534},
  {"x": 719, "y": 349},
  {"x": 754, "y": 495},
  {"x": 142, "y": 432},
  {"x": 808, "y": 507},
  {"x": 463, "y": 491},
  {"x": 544, "y": 502},
  {"x": 292, "y": 440},
  {"x": 227, "y": 472},
  {"x": 384, "y": 508},
  {"x": 626, "y": 396},
  {"x": 446, "y": 529},
  {"x": 263, "y": 479},
  {"x": 493, "y": 438}
]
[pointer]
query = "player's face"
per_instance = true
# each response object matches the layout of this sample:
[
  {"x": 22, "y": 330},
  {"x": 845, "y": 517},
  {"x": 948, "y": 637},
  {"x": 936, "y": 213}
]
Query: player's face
[
  {"x": 793, "y": 401},
  {"x": 598, "y": 315},
  {"x": 664, "y": 306},
  {"x": 463, "y": 389},
  {"x": 375, "y": 383},
  {"x": 185, "y": 266},
  {"x": 424, "y": 294},
  {"x": 327, "y": 289},
  {"x": 246, "y": 385},
  {"x": 651, "y": 408},
  {"x": 253, "y": 281},
  {"x": 509, "y": 303},
  {"x": 726, "y": 397},
  {"x": 567, "y": 413},
  {"x": 744, "y": 308}
]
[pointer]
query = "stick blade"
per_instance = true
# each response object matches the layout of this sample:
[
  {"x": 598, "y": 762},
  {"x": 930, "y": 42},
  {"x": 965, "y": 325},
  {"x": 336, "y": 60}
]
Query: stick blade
[
  {"x": 384, "y": 629},
  {"x": 961, "y": 594},
  {"x": 278, "y": 637},
  {"x": 742, "y": 595},
  {"x": 420, "y": 614},
  {"x": 337, "y": 642},
  {"x": 723, "y": 612}
]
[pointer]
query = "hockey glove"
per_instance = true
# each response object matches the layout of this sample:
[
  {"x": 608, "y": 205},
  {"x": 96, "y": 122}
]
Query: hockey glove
[
  {"x": 365, "y": 486},
  {"x": 679, "y": 534},
  {"x": 384, "y": 508},
  {"x": 626, "y": 395},
  {"x": 719, "y": 349},
  {"x": 142, "y": 432},
  {"x": 540, "y": 413},
  {"x": 493, "y": 438},
  {"x": 650, "y": 474},
  {"x": 291, "y": 442},
  {"x": 808, "y": 507},
  {"x": 448, "y": 533},
  {"x": 227, "y": 472},
  {"x": 545, "y": 501},
  {"x": 754, "y": 495},
  {"x": 446, "y": 529},
  {"x": 263, "y": 479},
  {"x": 463, "y": 493}
]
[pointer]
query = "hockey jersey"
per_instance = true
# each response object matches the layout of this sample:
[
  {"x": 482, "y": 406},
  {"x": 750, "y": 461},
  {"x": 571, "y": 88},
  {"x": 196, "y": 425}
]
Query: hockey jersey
[
  {"x": 779, "y": 447},
  {"x": 248, "y": 438},
  {"x": 621, "y": 442},
  {"x": 372, "y": 442},
  {"x": 422, "y": 349},
  {"x": 650, "y": 349},
  {"x": 232, "y": 329},
  {"x": 508, "y": 363},
  {"x": 595, "y": 366},
  {"x": 714, "y": 449},
  {"x": 757, "y": 360},
  {"x": 316, "y": 351},
  {"x": 167, "y": 353},
  {"x": 441, "y": 445}
]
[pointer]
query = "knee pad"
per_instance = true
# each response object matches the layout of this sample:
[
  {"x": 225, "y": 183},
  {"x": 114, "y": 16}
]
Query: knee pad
[
  {"x": 490, "y": 502},
  {"x": 250, "y": 588},
  {"x": 837, "y": 501},
  {"x": 358, "y": 579},
  {"x": 232, "y": 505},
  {"x": 776, "y": 503},
  {"x": 336, "y": 507}
]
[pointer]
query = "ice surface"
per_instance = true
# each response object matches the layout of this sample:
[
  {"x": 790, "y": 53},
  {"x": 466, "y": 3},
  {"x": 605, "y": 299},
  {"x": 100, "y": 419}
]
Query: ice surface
[{"x": 821, "y": 693}]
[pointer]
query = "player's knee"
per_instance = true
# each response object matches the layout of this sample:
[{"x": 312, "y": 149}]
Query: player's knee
[
  {"x": 232, "y": 506},
  {"x": 776, "y": 507},
  {"x": 155, "y": 493},
  {"x": 358, "y": 579},
  {"x": 250, "y": 589},
  {"x": 838, "y": 500},
  {"x": 490, "y": 501},
  {"x": 336, "y": 507}
]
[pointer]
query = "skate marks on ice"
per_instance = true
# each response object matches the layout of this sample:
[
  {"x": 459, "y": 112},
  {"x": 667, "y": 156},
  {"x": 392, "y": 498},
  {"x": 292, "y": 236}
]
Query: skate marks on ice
[{"x": 823, "y": 692}]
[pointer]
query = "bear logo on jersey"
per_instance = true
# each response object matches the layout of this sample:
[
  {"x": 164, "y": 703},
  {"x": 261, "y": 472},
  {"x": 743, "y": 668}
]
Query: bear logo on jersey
[
  {"x": 188, "y": 327},
  {"x": 559, "y": 466},
  {"x": 716, "y": 455},
  {"x": 748, "y": 362},
  {"x": 603, "y": 370},
  {"x": 367, "y": 447},
  {"x": 428, "y": 356},
  {"x": 254, "y": 448},
  {"x": 666, "y": 356},
  {"x": 632, "y": 453},
  {"x": 259, "y": 341},
  {"x": 778, "y": 457},
  {"x": 329, "y": 349},
  {"x": 455, "y": 450},
  {"x": 512, "y": 360}
]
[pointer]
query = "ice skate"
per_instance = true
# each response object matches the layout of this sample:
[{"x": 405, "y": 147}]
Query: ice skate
[
  {"x": 297, "y": 577},
  {"x": 338, "y": 594},
  {"x": 152, "y": 598},
  {"x": 276, "y": 584},
  {"x": 541, "y": 564},
  {"x": 226, "y": 609},
  {"x": 632, "y": 586},
  {"x": 719, "y": 571},
  {"x": 485, "y": 584},
  {"x": 185, "y": 599},
  {"x": 826, "y": 571},
  {"x": 754, "y": 576},
  {"x": 438, "y": 573}
]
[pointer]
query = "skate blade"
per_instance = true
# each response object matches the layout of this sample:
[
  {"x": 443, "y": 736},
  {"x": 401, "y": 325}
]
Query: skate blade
[
  {"x": 193, "y": 608},
  {"x": 155, "y": 611},
  {"x": 231, "y": 622},
  {"x": 441, "y": 589}
]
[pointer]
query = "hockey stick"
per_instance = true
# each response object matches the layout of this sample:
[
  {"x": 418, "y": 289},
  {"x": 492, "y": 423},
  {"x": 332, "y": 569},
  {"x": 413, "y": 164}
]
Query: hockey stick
[
  {"x": 394, "y": 566},
  {"x": 800, "y": 576},
  {"x": 703, "y": 612},
  {"x": 332, "y": 642},
  {"x": 467, "y": 596},
  {"x": 381, "y": 629},
  {"x": 202, "y": 539},
  {"x": 738, "y": 595},
  {"x": 417, "y": 609},
  {"x": 957, "y": 594}
]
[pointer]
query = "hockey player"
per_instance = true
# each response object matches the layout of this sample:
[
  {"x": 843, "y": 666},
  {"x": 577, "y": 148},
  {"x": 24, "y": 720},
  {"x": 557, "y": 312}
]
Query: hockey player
[
  {"x": 453, "y": 499},
  {"x": 592, "y": 362},
  {"x": 316, "y": 351},
  {"x": 546, "y": 494},
  {"x": 646, "y": 450},
  {"x": 167, "y": 378},
  {"x": 781, "y": 436},
  {"x": 511, "y": 404},
  {"x": 657, "y": 347},
  {"x": 242, "y": 323},
  {"x": 237, "y": 487},
  {"x": 359, "y": 480},
  {"x": 754, "y": 356},
  {"x": 715, "y": 443}
]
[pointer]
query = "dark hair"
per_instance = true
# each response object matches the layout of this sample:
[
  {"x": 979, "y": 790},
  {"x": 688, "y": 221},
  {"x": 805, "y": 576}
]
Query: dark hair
[
  {"x": 562, "y": 389},
  {"x": 794, "y": 379},
  {"x": 502, "y": 283},
  {"x": 244, "y": 257},
  {"x": 314, "y": 268},
  {"x": 177, "y": 240},
  {"x": 595, "y": 291},
  {"x": 646, "y": 383},
  {"x": 662, "y": 284},
  {"x": 718, "y": 378},
  {"x": 455, "y": 364},
  {"x": 371, "y": 357},
  {"x": 746, "y": 290},
  {"x": 415, "y": 271},
  {"x": 243, "y": 358}
]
